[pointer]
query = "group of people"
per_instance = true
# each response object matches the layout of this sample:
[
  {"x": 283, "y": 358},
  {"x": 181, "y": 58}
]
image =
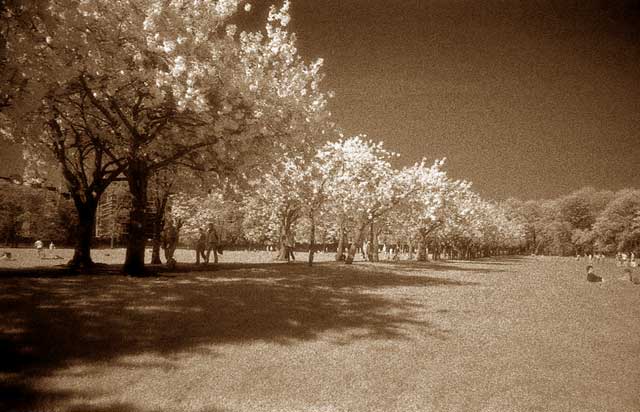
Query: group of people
[
  {"x": 629, "y": 275},
  {"x": 208, "y": 241},
  {"x": 592, "y": 258},
  {"x": 39, "y": 245},
  {"x": 624, "y": 259}
]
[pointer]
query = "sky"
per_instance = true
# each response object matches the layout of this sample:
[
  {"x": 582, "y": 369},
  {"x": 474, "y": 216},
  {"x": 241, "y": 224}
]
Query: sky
[
  {"x": 528, "y": 99},
  {"x": 531, "y": 99}
]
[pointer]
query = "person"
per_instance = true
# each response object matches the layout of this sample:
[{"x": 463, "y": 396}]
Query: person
[
  {"x": 51, "y": 245},
  {"x": 39, "y": 248},
  {"x": 170, "y": 238},
  {"x": 591, "y": 276},
  {"x": 213, "y": 244},
  {"x": 290, "y": 243},
  {"x": 396, "y": 254},
  {"x": 201, "y": 245}
]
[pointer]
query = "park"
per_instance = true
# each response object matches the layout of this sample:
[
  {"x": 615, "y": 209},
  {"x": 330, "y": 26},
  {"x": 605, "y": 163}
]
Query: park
[
  {"x": 504, "y": 334},
  {"x": 227, "y": 205}
]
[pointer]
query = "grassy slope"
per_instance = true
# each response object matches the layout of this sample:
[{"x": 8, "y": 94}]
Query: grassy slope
[{"x": 506, "y": 335}]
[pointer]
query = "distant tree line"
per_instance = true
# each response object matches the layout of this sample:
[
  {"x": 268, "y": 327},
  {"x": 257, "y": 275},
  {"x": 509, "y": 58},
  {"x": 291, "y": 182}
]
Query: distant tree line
[
  {"x": 586, "y": 221},
  {"x": 30, "y": 213}
]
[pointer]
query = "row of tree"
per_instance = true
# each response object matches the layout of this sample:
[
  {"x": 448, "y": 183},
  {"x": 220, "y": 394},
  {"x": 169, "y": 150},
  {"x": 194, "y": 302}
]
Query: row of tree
[
  {"x": 347, "y": 193},
  {"x": 221, "y": 128},
  {"x": 584, "y": 222}
]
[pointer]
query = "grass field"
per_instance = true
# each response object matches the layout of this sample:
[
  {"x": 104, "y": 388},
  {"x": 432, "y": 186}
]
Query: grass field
[{"x": 512, "y": 334}]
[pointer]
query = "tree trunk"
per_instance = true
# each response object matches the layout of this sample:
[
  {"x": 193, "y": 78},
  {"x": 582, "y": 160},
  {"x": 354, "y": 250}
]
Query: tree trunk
[
  {"x": 84, "y": 233},
  {"x": 161, "y": 201},
  {"x": 287, "y": 242},
  {"x": 341, "y": 243},
  {"x": 411, "y": 256},
  {"x": 369, "y": 251},
  {"x": 283, "y": 249},
  {"x": 422, "y": 246},
  {"x": 354, "y": 245},
  {"x": 312, "y": 240},
  {"x": 137, "y": 178},
  {"x": 376, "y": 246},
  {"x": 155, "y": 251}
]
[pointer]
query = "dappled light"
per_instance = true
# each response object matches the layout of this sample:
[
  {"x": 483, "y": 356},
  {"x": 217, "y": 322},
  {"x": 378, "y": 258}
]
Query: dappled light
[
  {"x": 245, "y": 337},
  {"x": 92, "y": 319}
]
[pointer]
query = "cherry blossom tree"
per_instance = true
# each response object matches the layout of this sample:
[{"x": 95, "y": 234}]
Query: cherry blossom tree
[
  {"x": 361, "y": 184},
  {"x": 150, "y": 84}
]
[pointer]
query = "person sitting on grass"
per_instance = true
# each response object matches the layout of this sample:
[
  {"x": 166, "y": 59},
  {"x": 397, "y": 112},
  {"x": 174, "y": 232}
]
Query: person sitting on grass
[
  {"x": 628, "y": 275},
  {"x": 591, "y": 276}
]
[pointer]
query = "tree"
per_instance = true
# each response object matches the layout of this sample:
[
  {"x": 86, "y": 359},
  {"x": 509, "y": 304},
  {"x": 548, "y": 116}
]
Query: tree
[
  {"x": 431, "y": 203},
  {"x": 616, "y": 228},
  {"x": 274, "y": 204},
  {"x": 146, "y": 85},
  {"x": 216, "y": 211},
  {"x": 361, "y": 184}
]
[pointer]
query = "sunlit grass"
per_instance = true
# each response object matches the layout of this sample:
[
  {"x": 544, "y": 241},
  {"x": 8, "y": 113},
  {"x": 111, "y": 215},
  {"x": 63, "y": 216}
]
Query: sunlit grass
[{"x": 506, "y": 335}]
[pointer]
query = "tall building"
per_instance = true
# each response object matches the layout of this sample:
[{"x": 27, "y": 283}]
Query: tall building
[{"x": 112, "y": 216}]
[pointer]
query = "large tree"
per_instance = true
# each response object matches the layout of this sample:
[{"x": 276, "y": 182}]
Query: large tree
[{"x": 156, "y": 84}]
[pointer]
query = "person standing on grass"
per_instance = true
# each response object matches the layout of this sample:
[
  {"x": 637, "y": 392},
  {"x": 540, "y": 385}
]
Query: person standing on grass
[
  {"x": 170, "y": 237},
  {"x": 212, "y": 244},
  {"x": 201, "y": 245},
  {"x": 290, "y": 243},
  {"x": 39, "y": 248}
]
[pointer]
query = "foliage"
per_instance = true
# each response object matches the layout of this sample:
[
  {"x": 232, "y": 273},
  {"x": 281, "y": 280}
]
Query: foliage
[{"x": 29, "y": 213}]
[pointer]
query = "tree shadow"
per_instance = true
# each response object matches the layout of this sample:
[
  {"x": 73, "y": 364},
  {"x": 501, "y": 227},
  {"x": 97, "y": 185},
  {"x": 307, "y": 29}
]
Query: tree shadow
[
  {"x": 53, "y": 321},
  {"x": 445, "y": 266}
]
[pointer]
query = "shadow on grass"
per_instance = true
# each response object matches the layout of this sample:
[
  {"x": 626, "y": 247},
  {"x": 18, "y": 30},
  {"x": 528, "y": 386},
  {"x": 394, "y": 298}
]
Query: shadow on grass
[
  {"x": 53, "y": 321},
  {"x": 444, "y": 266}
]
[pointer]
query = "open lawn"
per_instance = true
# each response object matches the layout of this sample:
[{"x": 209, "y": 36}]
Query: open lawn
[{"x": 511, "y": 334}]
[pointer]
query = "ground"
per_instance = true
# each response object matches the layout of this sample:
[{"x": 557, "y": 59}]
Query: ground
[{"x": 508, "y": 334}]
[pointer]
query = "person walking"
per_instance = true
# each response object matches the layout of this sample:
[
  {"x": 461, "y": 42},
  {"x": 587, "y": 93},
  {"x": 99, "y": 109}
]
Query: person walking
[
  {"x": 201, "y": 245},
  {"x": 39, "y": 248}
]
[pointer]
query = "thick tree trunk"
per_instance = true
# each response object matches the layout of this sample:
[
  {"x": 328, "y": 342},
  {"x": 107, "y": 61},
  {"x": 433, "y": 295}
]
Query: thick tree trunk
[
  {"x": 356, "y": 242},
  {"x": 369, "y": 252},
  {"x": 422, "y": 246},
  {"x": 84, "y": 233},
  {"x": 137, "y": 178},
  {"x": 283, "y": 250},
  {"x": 287, "y": 242}
]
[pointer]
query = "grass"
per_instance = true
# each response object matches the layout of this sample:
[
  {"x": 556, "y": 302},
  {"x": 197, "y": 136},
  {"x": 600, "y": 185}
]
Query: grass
[{"x": 513, "y": 334}]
